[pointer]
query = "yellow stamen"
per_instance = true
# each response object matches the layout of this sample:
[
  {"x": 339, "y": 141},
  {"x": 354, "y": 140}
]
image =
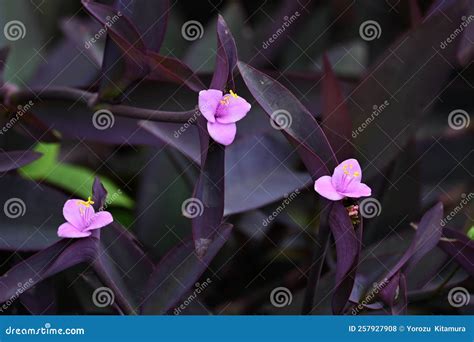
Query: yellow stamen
[
  {"x": 225, "y": 100},
  {"x": 233, "y": 94},
  {"x": 356, "y": 174},
  {"x": 86, "y": 203}
]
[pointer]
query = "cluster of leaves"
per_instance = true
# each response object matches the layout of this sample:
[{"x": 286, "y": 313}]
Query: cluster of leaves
[{"x": 312, "y": 247}]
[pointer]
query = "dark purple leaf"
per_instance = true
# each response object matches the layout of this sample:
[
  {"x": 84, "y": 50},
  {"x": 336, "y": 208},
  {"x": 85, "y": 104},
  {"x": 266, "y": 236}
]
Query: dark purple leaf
[
  {"x": 35, "y": 213},
  {"x": 299, "y": 125},
  {"x": 150, "y": 18},
  {"x": 244, "y": 171},
  {"x": 426, "y": 238},
  {"x": 226, "y": 57},
  {"x": 178, "y": 271},
  {"x": 78, "y": 124},
  {"x": 348, "y": 241},
  {"x": 11, "y": 160},
  {"x": 460, "y": 248},
  {"x": 125, "y": 263},
  {"x": 173, "y": 70},
  {"x": 401, "y": 74},
  {"x": 124, "y": 61},
  {"x": 41, "y": 299},
  {"x": 54, "y": 259},
  {"x": 335, "y": 118},
  {"x": 209, "y": 194},
  {"x": 122, "y": 31}
]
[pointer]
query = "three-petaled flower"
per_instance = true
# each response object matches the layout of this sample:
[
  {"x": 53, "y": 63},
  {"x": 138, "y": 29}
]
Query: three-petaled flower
[
  {"x": 82, "y": 219},
  {"x": 344, "y": 182},
  {"x": 222, "y": 112}
]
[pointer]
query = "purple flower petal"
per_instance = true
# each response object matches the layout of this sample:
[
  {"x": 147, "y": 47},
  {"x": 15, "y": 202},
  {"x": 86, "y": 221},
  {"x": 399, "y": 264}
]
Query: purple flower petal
[
  {"x": 72, "y": 213},
  {"x": 356, "y": 190},
  {"x": 67, "y": 230},
  {"x": 347, "y": 175},
  {"x": 209, "y": 101},
  {"x": 232, "y": 108},
  {"x": 324, "y": 187},
  {"x": 222, "y": 133},
  {"x": 99, "y": 220}
]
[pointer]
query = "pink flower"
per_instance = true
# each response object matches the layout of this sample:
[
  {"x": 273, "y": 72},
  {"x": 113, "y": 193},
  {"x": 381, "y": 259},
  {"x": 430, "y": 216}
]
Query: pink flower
[
  {"x": 81, "y": 219},
  {"x": 222, "y": 112},
  {"x": 345, "y": 182}
]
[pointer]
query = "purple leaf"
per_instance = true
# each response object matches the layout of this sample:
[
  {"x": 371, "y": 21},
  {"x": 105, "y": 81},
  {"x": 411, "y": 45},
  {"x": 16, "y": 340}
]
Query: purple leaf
[
  {"x": 297, "y": 123},
  {"x": 426, "y": 238},
  {"x": 99, "y": 194},
  {"x": 30, "y": 225},
  {"x": 460, "y": 248},
  {"x": 124, "y": 60},
  {"x": 178, "y": 271},
  {"x": 11, "y": 160},
  {"x": 226, "y": 57},
  {"x": 173, "y": 70},
  {"x": 78, "y": 124},
  {"x": 348, "y": 241},
  {"x": 150, "y": 18},
  {"x": 125, "y": 263},
  {"x": 54, "y": 259},
  {"x": 209, "y": 194},
  {"x": 244, "y": 172},
  {"x": 399, "y": 74},
  {"x": 122, "y": 31},
  {"x": 33, "y": 127},
  {"x": 335, "y": 118}
]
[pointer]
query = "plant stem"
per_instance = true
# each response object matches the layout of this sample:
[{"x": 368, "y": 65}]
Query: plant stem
[{"x": 21, "y": 96}]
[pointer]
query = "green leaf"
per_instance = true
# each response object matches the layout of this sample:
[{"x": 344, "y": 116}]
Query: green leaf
[
  {"x": 470, "y": 233},
  {"x": 77, "y": 180}
]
